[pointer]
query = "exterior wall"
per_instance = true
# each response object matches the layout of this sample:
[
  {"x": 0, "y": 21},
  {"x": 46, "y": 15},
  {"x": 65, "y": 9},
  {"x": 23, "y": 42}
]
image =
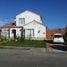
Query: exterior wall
[
  {"x": 18, "y": 32},
  {"x": 39, "y": 30},
  {"x": 29, "y": 17},
  {"x": 50, "y": 32},
  {"x": 5, "y": 32}
]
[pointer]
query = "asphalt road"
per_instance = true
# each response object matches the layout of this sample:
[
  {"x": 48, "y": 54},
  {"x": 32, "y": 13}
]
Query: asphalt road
[{"x": 33, "y": 57}]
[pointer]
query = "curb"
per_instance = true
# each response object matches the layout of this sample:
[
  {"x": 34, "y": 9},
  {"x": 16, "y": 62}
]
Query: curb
[
  {"x": 15, "y": 47},
  {"x": 28, "y": 48}
]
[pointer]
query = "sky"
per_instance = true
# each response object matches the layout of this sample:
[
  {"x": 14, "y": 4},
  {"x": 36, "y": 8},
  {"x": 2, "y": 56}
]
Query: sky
[{"x": 53, "y": 12}]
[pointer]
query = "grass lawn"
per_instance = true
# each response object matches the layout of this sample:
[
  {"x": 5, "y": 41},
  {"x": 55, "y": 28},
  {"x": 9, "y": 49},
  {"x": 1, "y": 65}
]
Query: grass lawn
[{"x": 25, "y": 43}]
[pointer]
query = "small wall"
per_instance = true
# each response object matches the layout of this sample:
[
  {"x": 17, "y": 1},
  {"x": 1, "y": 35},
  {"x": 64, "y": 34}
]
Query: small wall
[{"x": 50, "y": 32}]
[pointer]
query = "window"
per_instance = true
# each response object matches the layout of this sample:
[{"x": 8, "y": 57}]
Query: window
[
  {"x": 21, "y": 20},
  {"x": 58, "y": 36},
  {"x": 29, "y": 32},
  {"x": 38, "y": 31}
]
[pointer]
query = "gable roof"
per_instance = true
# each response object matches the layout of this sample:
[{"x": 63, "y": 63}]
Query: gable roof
[
  {"x": 29, "y": 11},
  {"x": 7, "y": 25},
  {"x": 10, "y": 25},
  {"x": 33, "y": 21}
]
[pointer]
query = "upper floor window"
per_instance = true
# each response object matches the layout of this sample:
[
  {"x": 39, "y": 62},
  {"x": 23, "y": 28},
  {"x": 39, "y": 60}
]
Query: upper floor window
[{"x": 21, "y": 20}]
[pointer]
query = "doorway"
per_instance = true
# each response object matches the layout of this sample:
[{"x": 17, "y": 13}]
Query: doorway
[{"x": 14, "y": 33}]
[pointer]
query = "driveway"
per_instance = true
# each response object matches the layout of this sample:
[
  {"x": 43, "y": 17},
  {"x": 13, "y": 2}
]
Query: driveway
[
  {"x": 32, "y": 57},
  {"x": 57, "y": 46}
]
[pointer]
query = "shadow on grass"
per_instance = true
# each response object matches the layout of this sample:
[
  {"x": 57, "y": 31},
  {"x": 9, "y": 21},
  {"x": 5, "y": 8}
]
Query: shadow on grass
[
  {"x": 59, "y": 47},
  {"x": 49, "y": 41}
]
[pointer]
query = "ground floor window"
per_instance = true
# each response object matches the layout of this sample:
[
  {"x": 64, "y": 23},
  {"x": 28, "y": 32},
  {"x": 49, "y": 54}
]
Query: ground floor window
[{"x": 29, "y": 33}]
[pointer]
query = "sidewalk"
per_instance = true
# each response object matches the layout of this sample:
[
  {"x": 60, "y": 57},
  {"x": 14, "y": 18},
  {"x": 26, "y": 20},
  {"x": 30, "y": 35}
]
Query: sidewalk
[{"x": 49, "y": 49}]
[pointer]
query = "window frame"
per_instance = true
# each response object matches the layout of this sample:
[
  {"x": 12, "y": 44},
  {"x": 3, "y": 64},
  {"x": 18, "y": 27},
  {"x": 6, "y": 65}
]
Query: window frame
[{"x": 21, "y": 21}]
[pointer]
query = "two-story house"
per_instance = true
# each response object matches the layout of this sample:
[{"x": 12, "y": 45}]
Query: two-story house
[{"x": 28, "y": 25}]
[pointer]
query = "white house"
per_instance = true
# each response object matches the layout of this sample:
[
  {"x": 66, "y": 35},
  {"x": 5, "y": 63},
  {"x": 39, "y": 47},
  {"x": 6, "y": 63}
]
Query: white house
[{"x": 28, "y": 25}]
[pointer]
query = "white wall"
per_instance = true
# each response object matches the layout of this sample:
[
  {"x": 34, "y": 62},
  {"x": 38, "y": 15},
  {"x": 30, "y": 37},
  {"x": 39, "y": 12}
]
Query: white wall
[
  {"x": 4, "y": 32},
  {"x": 29, "y": 16},
  {"x": 37, "y": 27},
  {"x": 18, "y": 32}
]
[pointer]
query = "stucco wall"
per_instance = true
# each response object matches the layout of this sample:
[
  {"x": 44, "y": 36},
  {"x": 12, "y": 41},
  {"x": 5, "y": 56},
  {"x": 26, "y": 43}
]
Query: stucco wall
[
  {"x": 29, "y": 16},
  {"x": 4, "y": 32},
  {"x": 37, "y": 27},
  {"x": 18, "y": 32}
]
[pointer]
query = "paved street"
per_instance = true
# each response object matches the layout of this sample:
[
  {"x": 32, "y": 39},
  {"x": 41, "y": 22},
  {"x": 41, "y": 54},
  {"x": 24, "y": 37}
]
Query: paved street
[{"x": 32, "y": 57}]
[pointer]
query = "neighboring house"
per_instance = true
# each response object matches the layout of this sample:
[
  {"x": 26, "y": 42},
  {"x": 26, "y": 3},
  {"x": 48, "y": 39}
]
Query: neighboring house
[
  {"x": 28, "y": 25},
  {"x": 51, "y": 32}
]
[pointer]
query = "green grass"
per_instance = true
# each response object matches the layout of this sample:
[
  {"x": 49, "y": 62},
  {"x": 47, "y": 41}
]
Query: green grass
[{"x": 25, "y": 43}]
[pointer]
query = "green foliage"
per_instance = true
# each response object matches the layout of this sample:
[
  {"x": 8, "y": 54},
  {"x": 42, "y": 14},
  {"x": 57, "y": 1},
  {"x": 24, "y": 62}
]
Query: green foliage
[
  {"x": 2, "y": 38},
  {"x": 26, "y": 43}
]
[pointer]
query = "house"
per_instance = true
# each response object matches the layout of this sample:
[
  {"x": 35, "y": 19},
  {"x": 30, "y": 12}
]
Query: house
[{"x": 28, "y": 25}]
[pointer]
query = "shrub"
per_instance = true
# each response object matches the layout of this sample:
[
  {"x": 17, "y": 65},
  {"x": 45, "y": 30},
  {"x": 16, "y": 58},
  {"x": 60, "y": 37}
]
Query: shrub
[{"x": 26, "y": 43}]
